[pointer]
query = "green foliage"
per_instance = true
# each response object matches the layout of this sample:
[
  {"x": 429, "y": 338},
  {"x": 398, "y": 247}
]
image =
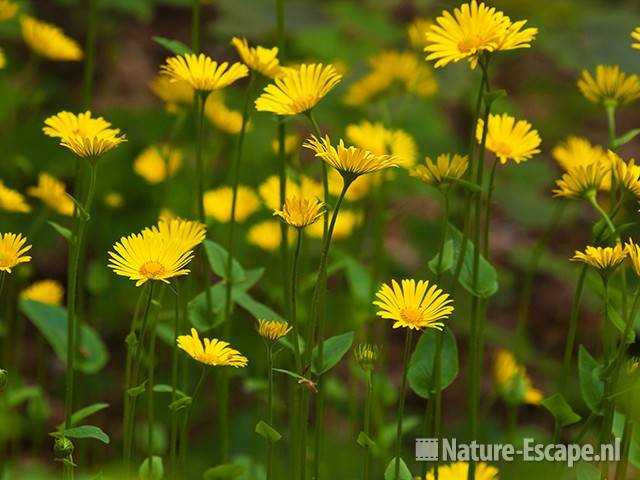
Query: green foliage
[
  {"x": 591, "y": 385},
  {"x": 561, "y": 410},
  {"x": 334, "y": 349},
  {"x": 421, "y": 368},
  {"x": 389, "y": 473},
  {"x": 267, "y": 432}
]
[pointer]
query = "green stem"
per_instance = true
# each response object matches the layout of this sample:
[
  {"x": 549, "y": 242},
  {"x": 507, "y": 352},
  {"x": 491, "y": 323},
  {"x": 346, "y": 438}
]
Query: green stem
[
  {"x": 270, "y": 410},
  {"x": 284, "y": 229},
  {"x": 627, "y": 432},
  {"x": 571, "y": 334},
  {"x": 594, "y": 201},
  {"x": 90, "y": 51},
  {"x": 293, "y": 308},
  {"x": 608, "y": 403},
  {"x": 173, "y": 438},
  {"x": 325, "y": 173},
  {"x": 185, "y": 424},
  {"x": 488, "y": 206},
  {"x": 611, "y": 126},
  {"x": 367, "y": 424},
  {"x": 150, "y": 385},
  {"x": 403, "y": 391}
]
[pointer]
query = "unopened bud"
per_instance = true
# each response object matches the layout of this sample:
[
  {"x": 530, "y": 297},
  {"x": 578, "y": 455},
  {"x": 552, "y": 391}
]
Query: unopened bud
[{"x": 63, "y": 448}]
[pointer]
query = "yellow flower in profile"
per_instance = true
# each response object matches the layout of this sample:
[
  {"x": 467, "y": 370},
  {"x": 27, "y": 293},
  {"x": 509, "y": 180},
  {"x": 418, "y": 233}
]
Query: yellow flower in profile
[
  {"x": 633, "y": 254},
  {"x": 417, "y": 31},
  {"x": 300, "y": 212},
  {"x": 260, "y": 59},
  {"x": 217, "y": 203},
  {"x": 574, "y": 151},
  {"x": 49, "y": 41},
  {"x": 508, "y": 139},
  {"x": 473, "y": 29},
  {"x": 187, "y": 233},
  {"x": 221, "y": 116},
  {"x": 636, "y": 36},
  {"x": 291, "y": 144},
  {"x": 8, "y": 9},
  {"x": 266, "y": 235},
  {"x": 581, "y": 181},
  {"x": 273, "y": 330},
  {"x": 174, "y": 93},
  {"x": 610, "y": 86},
  {"x": 44, "y": 291},
  {"x": 414, "y": 305},
  {"x": 460, "y": 471},
  {"x": 149, "y": 256},
  {"x": 158, "y": 163},
  {"x": 12, "y": 201},
  {"x": 441, "y": 172},
  {"x": 12, "y": 251},
  {"x": 202, "y": 72},
  {"x": 113, "y": 200},
  {"x": 604, "y": 259},
  {"x": 514, "y": 384},
  {"x": 298, "y": 90},
  {"x": 213, "y": 352},
  {"x": 346, "y": 223},
  {"x": 627, "y": 174},
  {"x": 377, "y": 139},
  {"x": 53, "y": 194}
]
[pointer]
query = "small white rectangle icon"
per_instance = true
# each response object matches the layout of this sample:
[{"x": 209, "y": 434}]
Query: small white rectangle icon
[{"x": 426, "y": 449}]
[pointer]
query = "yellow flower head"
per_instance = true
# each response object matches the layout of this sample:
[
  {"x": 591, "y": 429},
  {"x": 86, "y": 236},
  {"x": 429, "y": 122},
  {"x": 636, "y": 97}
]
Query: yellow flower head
[
  {"x": 636, "y": 36},
  {"x": 12, "y": 201},
  {"x": 414, "y": 305},
  {"x": 514, "y": 384},
  {"x": 474, "y": 28},
  {"x": 375, "y": 138},
  {"x": 49, "y": 41},
  {"x": 222, "y": 117},
  {"x": 300, "y": 212},
  {"x": 174, "y": 93},
  {"x": 217, "y": 203},
  {"x": 627, "y": 174},
  {"x": 260, "y": 59},
  {"x": 203, "y": 73},
  {"x": 611, "y": 86},
  {"x": 349, "y": 161},
  {"x": 574, "y": 151},
  {"x": 12, "y": 251},
  {"x": 44, "y": 291},
  {"x": 604, "y": 259},
  {"x": 3, "y": 59},
  {"x": 346, "y": 222},
  {"x": 460, "y": 471},
  {"x": 367, "y": 356},
  {"x": 581, "y": 181},
  {"x": 273, "y": 330},
  {"x": 113, "y": 200},
  {"x": 158, "y": 163},
  {"x": 445, "y": 168},
  {"x": 213, "y": 352},
  {"x": 53, "y": 194},
  {"x": 291, "y": 144},
  {"x": 187, "y": 233},
  {"x": 8, "y": 9},
  {"x": 417, "y": 31},
  {"x": 149, "y": 256},
  {"x": 298, "y": 90},
  {"x": 633, "y": 254},
  {"x": 508, "y": 139},
  {"x": 266, "y": 235}
]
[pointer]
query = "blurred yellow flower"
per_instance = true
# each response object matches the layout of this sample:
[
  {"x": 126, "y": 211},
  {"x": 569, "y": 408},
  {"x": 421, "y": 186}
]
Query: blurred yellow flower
[
  {"x": 260, "y": 59},
  {"x": 610, "y": 86},
  {"x": 266, "y": 235},
  {"x": 8, "y": 9},
  {"x": 44, "y": 291},
  {"x": 113, "y": 200},
  {"x": 581, "y": 181},
  {"x": 187, "y": 233},
  {"x": 508, "y": 139},
  {"x": 3, "y": 59},
  {"x": 291, "y": 144},
  {"x": 627, "y": 174},
  {"x": 379, "y": 140},
  {"x": 298, "y": 90},
  {"x": 442, "y": 171},
  {"x": 513, "y": 382},
  {"x": 417, "y": 31},
  {"x": 346, "y": 222},
  {"x": 633, "y": 254},
  {"x": 269, "y": 190},
  {"x": 12, "y": 200},
  {"x": 460, "y": 471},
  {"x": 273, "y": 330},
  {"x": 359, "y": 188},
  {"x": 53, "y": 194},
  {"x": 574, "y": 151},
  {"x": 158, "y": 163},
  {"x": 601, "y": 258},
  {"x": 203, "y": 73},
  {"x": 213, "y": 352},
  {"x": 300, "y": 212},
  {"x": 217, "y": 203},
  {"x": 414, "y": 305},
  {"x": 12, "y": 251},
  {"x": 636, "y": 36},
  {"x": 174, "y": 93},
  {"x": 49, "y": 41},
  {"x": 222, "y": 117}
]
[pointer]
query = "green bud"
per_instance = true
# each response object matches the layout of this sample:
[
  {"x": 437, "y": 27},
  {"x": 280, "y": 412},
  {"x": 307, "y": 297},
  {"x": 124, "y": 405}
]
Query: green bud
[
  {"x": 367, "y": 356},
  {"x": 63, "y": 448}
]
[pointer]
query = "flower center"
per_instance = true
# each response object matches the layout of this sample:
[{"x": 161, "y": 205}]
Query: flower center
[
  {"x": 411, "y": 315},
  {"x": 503, "y": 149},
  {"x": 470, "y": 44},
  {"x": 152, "y": 269}
]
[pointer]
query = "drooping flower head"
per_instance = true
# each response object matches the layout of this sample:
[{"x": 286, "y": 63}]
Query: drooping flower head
[
  {"x": 633, "y": 254},
  {"x": 260, "y": 59},
  {"x": 8, "y": 9},
  {"x": 445, "y": 169},
  {"x": 53, "y": 194},
  {"x": 636, "y": 36},
  {"x": 460, "y": 471},
  {"x": 12, "y": 251},
  {"x": 49, "y": 41},
  {"x": 301, "y": 212},
  {"x": 273, "y": 330},
  {"x": 510, "y": 139},
  {"x": 581, "y": 181},
  {"x": 610, "y": 86},
  {"x": 44, "y": 291},
  {"x": 298, "y": 90},
  {"x": 12, "y": 200},
  {"x": 513, "y": 382},
  {"x": 202, "y": 72},
  {"x": 627, "y": 174},
  {"x": 217, "y": 203},
  {"x": 377, "y": 139},
  {"x": 604, "y": 259},
  {"x": 414, "y": 305},
  {"x": 212, "y": 352},
  {"x": 158, "y": 163},
  {"x": 187, "y": 233},
  {"x": 367, "y": 356}
]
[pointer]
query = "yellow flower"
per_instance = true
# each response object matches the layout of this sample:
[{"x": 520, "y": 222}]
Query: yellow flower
[
  {"x": 266, "y": 235},
  {"x": 415, "y": 305},
  {"x": 513, "y": 382},
  {"x": 581, "y": 181},
  {"x": 203, "y": 73},
  {"x": 12, "y": 201},
  {"x": 3, "y": 59},
  {"x": 187, "y": 233},
  {"x": 601, "y": 258},
  {"x": 269, "y": 190},
  {"x": 149, "y": 256},
  {"x": 174, "y": 93},
  {"x": 158, "y": 163},
  {"x": 53, "y": 194},
  {"x": 113, "y": 200},
  {"x": 633, "y": 254},
  {"x": 12, "y": 251},
  {"x": 367, "y": 356},
  {"x": 627, "y": 174},
  {"x": 260, "y": 59},
  {"x": 611, "y": 86},
  {"x": 8, "y": 9},
  {"x": 574, "y": 151},
  {"x": 349, "y": 161},
  {"x": 417, "y": 32},
  {"x": 217, "y": 203},
  {"x": 381, "y": 141},
  {"x": 291, "y": 144},
  {"x": 44, "y": 291},
  {"x": 222, "y": 117},
  {"x": 299, "y": 90},
  {"x": 508, "y": 139},
  {"x": 49, "y": 41},
  {"x": 273, "y": 330},
  {"x": 636, "y": 36},
  {"x": 472, "y": 30},
  {"x": 346, "y": 222},
  {"x": 213, "y": 352},
  {"x": 300, "y": 212},
  {"x": 460, "y": 471},
  {"x": 443, "y": 170}
]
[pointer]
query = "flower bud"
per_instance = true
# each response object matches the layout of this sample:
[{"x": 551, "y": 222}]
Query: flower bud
[
  {"x": 63, "y": 448},
  {"x": 367, "y": 356}
]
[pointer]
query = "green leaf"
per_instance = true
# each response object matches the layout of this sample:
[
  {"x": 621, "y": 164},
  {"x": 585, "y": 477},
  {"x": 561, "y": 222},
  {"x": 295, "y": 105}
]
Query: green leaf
[
  {"x": 447, "y": 259},
  {"x": 389, "y": 473},
  {"x": 174, "y": 46},
  {"x": 365, "y": 441},
  {"x": 163, "y": 388},
  {"x": 84, "y": 413},
  {"x": 218, "y": 258},
  {"x": 289, "y": 373},
  {"x": 255, "y": 308},
  {"x": 51, "y": 321},
  {"x": 153, "y": 470},
  {"x": 228, "y": 471},
  {"x": 334, "y": 349},
  {"x": 626, "y": 138},
  {"x": 80, "y": 210},
  {"x": 561, "y": 410},
  {"x": 16, "y": 396},
  {"x": 587, "y": 471},
  {"x": 591, "y": 385},
  {"x": 137, "y": 390},
  {"x": 63, "y": 231},
  {"x": 358, "y": 276},
  {"x": 617, "y": 321},
  {"x": 493, "y": 95},
  {"x": 267, "y": 432},
  {"x": 181, "y": 403},
  {"x": 83, "y": 431},
  {"x": 421, "y": 367},
  {"x": 474, "y": 187}
]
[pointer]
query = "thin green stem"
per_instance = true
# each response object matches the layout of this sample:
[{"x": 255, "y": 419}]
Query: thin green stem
[
  {"x": 608, "y": 403},
  {"x": 185, "y": 424},
  {"x": 367, "y": 424},
  {"x": 270, "y": 410},
  {"x": 150, "y": 399},
  {"x": 293, "y": 308},
  {"x": 325, "y": 175},
  {"x": 611, "y": 126},
  {"x": 173, "y": 438},
  {"x": 627, "y": 432},
  {"x": 488, "y": 206},
  {"x": 571, "y": 334},
  {"x": 594, "y": 201},
  {"x": 284, "y": 229},
  {"x": 403, "y": 391}
]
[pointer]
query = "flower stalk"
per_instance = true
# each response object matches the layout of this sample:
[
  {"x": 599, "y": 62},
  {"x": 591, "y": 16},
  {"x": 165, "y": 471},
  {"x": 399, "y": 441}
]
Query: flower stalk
[{"x": 403, "y": 391}]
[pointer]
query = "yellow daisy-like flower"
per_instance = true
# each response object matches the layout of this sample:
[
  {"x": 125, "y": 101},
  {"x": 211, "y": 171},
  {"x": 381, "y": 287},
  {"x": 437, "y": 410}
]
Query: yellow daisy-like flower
[
  {"x": 574, "y": 151},
  {"x": 44, "y": 291},
  {"x": 113, "y": 200},
  {"x": 627, "y": 174},
  {"x": 273, "y": 330},
  {"x": 513, "y": 382},
  {"x": 414, "y": 305},
  {"x": 187, "y": 233},
  {"x": 266, "y": 235},
  {"x": 460, "y": 471},
  {"x": 12, "y": 200},
  {"x": 217, "y": 203},
  {"x": 382, "y": 141},
  {"x": 49, "y": 41},
  {"x": 212, "y": 352},
  {"x": 349, "y": 161},
  {"x": 441, "y": 172},
  {"x": 346, "y": 223},
  {"x": 12, "y": 251},
  {"x": 508, "y": 139},
  {"x": 203, "y": 73},
  {"x": 417, "y": 31},
  {"x": 474, "y": 28},
  {"x": 610, "y": 86},
  {"x": 158, "y": 163},
  {"x": 222, "y": 117},
  {"x": 149, "y": 256},
  {"x": 300, "y": 212},
  {"x": 260, "y": 59},
  {"x": 8, "y": 9},
  {"x": 633, "y": 254},
  {"x": 601, "y": 258},
  {"x": 636, "y": 36},
  {"x": 298, "y": 90},
  {"x": 581, "y": 181},
  {"x": 174, "y": 93},
  {"x": 53, "y": 194}
]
